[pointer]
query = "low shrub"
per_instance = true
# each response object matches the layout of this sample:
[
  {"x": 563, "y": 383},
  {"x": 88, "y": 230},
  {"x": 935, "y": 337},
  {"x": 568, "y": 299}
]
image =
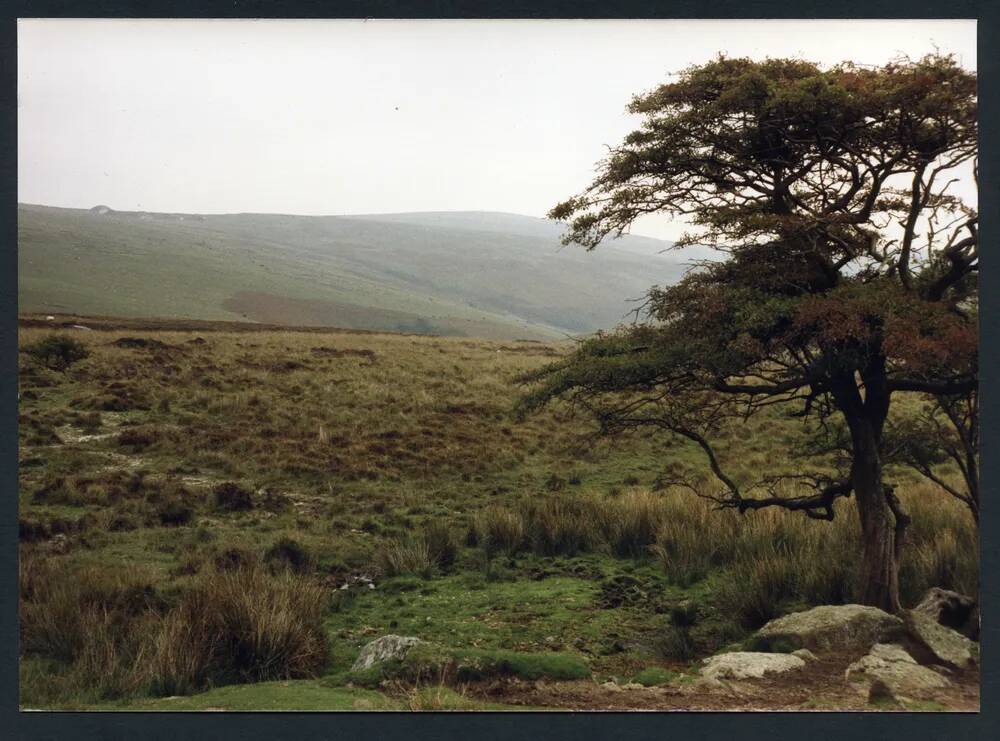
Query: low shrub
[
  {"x": 564, "y": 524},
  {"x": 139, "y": 342},
  {"x": 231, "y": 497},
  {"x": 136, "y": 440},
  {"x": 89, "y": 421},
  {"x": 90, "y": 620},
  {"x": 478, "y": 665},
  {"x": 941, "y": 547},
  {"x": 755, "y": 591},
  {"x": 57, "y": 352},
  {"x": 622, "y": 591},
  {"x": 55, "y": 490},
  {"x": 116, "y": 636},
  {"x": 175, "y": 512},
  {"x": 555, "y": 482},
  {"x": 291, "y": 554},
  {"x": 276, "y": 502},
  {"x": 684, "y": 547},
  {"x": 31, "y": 530},
  {"x": 766, "y": 563}
]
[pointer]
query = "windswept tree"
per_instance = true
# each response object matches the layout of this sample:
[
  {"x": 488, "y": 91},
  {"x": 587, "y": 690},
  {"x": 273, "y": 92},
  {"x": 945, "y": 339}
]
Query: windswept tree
[{"x": 847, "y": 270}]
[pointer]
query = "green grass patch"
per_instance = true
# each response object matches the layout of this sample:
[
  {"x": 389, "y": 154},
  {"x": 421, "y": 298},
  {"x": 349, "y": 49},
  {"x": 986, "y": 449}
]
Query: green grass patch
[
  {"x": 655, "y": 676},
  {"x": 435, "y": 663},
  {"x": 303, "y": 696}
]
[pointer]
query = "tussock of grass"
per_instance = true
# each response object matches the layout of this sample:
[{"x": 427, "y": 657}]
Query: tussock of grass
[
  {"x": 244, "y": 625},
  {"x": 632, "y": 522},
  {"x": 91, "y": 621},
  {"x": 497, "y": 530},
  {"x": 118, "y": 637},
  {"x": 290, "y": 553},
  {"x": 560, "y": 525},
  {"x": 442, "y": 544},
  {"x": 411, "y": 556}
]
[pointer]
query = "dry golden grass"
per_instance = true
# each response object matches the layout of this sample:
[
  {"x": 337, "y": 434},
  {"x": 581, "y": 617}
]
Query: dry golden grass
[
  {"x": 118, "y": 636},
  {"x": 763, "y": 560}
]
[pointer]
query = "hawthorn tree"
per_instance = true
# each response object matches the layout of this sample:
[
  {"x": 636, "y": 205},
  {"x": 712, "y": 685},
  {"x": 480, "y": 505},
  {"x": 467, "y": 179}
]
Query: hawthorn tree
[{"x": 847, "y": 270}]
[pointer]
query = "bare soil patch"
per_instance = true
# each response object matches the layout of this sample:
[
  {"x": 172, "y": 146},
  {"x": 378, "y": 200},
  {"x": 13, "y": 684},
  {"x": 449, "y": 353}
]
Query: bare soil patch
[{"x": 820, "y": 686}]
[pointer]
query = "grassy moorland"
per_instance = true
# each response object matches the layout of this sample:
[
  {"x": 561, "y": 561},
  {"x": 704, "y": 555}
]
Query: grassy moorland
[{"x": 213, "y": 518}]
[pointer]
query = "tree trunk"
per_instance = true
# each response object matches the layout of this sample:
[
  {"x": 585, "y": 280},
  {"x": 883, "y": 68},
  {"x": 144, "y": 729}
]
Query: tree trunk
[
  {"x": 880, "y": 558},
  {"x": 865, "y": 410}
]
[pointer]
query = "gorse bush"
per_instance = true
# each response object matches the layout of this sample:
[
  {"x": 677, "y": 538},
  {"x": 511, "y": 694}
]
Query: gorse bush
[{"x": 57, "y": 351}]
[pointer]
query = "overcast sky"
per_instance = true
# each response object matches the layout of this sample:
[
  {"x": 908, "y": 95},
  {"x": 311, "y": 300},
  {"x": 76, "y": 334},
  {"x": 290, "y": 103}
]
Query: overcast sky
[{"x": 340, "y": 117}]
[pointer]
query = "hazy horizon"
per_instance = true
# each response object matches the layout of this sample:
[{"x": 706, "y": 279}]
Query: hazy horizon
[{"x": 357, "y": 117}]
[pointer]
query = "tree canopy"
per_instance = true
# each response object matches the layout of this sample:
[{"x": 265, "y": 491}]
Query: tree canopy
[{"x": 847, "y": 268}]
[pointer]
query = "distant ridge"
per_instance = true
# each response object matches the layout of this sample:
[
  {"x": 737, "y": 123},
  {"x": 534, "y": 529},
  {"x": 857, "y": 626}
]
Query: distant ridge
[{"x": 474, "y": 273}]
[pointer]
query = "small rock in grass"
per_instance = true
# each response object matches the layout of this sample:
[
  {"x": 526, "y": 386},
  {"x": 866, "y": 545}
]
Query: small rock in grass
[
  {"x": 59, "y": 544},
  {"x": 748, "y": 665},
  {"x": 384, "y": 649}
]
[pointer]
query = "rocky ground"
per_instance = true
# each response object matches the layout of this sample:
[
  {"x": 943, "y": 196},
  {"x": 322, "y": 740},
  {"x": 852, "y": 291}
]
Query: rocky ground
[{"x": 845, "y": 657}]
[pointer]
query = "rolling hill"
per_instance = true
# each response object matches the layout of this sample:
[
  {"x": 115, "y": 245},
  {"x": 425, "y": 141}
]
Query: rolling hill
[{"x": 461, "y": 273}]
